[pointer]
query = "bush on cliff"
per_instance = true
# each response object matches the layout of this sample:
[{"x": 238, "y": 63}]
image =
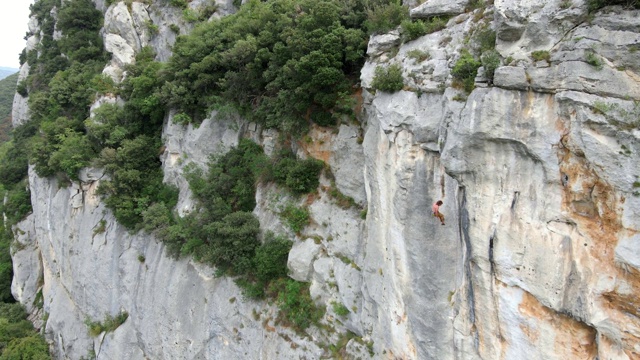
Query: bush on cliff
[
  {"x": 278, "y": 63},
  {"x": 384, "y": 16},
  {"x": 465, "y": 70},
  {"x": 388, "y": 79},
  {"x": 18, "y": 339}
]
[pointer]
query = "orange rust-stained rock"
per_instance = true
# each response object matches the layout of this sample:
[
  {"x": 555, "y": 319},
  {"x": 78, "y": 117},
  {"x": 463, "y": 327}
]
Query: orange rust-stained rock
[
  {"x": 573, "y": 339},
  {"x": 532, "y": 333},
  {"x": 629, "y": 303},
  {"x": 596, "y": 208},
  {"x": 317, "y": 143}
]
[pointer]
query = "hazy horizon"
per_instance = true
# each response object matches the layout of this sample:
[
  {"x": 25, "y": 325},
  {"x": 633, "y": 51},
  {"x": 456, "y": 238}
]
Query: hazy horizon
[{"x": 14, "y": 20}]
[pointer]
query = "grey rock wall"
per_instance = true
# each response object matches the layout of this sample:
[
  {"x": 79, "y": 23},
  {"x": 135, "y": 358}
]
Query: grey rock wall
[{"x": 539, "y": 257}]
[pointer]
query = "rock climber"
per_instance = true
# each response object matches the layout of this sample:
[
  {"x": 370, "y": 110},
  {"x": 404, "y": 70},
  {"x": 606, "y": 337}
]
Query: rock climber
[{"x": 436, "y": 211}]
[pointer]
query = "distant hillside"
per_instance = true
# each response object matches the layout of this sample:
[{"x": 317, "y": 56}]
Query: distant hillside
[
  {"x": 7, "y": 90},
  {"x": 5, "y": 72}
]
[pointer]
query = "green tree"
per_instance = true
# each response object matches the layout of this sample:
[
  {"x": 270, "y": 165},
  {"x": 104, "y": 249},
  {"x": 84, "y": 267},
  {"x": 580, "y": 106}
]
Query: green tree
[
  {"x": 7, "y": 90},
  {"x": 18, "y": 340},
  {"x": 271, "y": 258},
  {"x": 27, "y": 348},
  {"x": 72, "y": 153},
  {"x": 278, "y": 63},
  {"x": 232, "y": 241}
]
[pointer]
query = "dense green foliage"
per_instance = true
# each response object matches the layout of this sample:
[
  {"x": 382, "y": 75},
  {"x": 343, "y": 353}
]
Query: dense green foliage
[
  {"x": 223, "y": 232},
  {"x": 13, "y": 170},
  {"x": 388, "y": 79},
  {"x": 383, "y": 16},
  {"x": 27, "y": 348},
  {"x": 136, "y": 179},
  {"x": 60, "y": 139},
  {"x": 299, "y": 176},
  {"x": 7, "y": 90},
  {"x": 278, "y": 63},
  {"x": 6, "y": 266},
  {"x": 413, "y": 29},
  {"x": 271, "y": 258},
  {"x": 60, "y": 92},
  {"x": 18, "y": 340}
]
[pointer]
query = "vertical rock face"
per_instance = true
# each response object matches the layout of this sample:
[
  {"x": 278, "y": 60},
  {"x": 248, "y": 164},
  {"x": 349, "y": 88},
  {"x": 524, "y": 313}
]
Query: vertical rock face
[{"x": 539, "y": 257}]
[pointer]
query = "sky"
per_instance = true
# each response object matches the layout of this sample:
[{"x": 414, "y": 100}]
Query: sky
[{"x": 14, "y": 19}]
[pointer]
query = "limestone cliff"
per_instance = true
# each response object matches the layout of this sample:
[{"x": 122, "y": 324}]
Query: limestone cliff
[{"x": 538, "y": 171}]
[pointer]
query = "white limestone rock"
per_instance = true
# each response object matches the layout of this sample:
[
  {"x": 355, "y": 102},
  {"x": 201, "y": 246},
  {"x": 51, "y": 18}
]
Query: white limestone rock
[
  {"x": 32, "y": 43},
  {"x": 405, "y": 110},
  {"x": 433, "y": 8},
  {"x": 27, "y": 270},
  {"x": 347, "y": 162},
  {"x": 20, "y": 107},
  {"x": 177, "y": 309},
  {"x": 164, "y": 17},
  {"x": 379, "y": 44},
  {"x": 89, "y": 174},
  {"x": 141, "y": 22},
  {"x": 123, "y": 53},
  {"x": 33, "y": 25},
  {"x": 404, "y": 245},
  {"x": 541, "y": 216},
  {"x": 525, "y": 26},
  {"x": 118, "y": 21},
  {"x": 269, "y": 199},
  {"x": 580, "y": 76},
  {"x": 628, "y": 251},
  {"x": 511, "y": 77},
  {"x": 113, "y": 71},
  {"x": 301, "y": 258},
  {"x": 323, "y": 283}
]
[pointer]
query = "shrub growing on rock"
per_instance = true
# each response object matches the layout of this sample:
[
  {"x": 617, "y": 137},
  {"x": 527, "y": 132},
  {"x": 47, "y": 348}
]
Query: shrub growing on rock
[
  {"x": 271, "y": 257},
  {"x": 490, "y": 61},
  {"x": 388, "y": 79},
  {"x": 297, "y": 218},
  {"x": 465, "y": 70},
  {"x": 540, "y": 55},
  {"x": 384, "y": 16},
  {"x": 298, "y": 176}
]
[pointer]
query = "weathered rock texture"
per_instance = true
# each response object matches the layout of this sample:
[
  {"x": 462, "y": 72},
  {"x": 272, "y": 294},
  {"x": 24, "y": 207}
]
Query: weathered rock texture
[{"x": 539, "y": 257}]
